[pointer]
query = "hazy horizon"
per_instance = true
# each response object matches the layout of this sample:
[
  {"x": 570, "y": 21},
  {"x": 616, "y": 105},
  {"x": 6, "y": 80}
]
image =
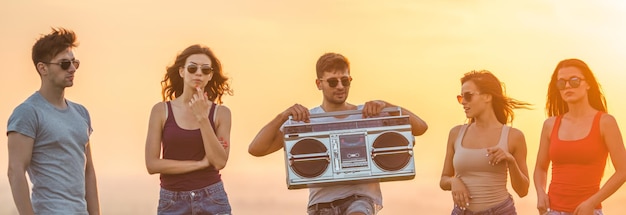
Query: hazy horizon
[{"x": 409, "y": 53}]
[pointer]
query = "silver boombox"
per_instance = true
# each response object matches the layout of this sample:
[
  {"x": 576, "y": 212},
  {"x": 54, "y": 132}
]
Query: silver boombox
[{"x": 349, "y": 151}]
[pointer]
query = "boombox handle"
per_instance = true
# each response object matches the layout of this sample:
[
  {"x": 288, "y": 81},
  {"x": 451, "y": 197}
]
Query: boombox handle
[{"x": 350, "y": 112}]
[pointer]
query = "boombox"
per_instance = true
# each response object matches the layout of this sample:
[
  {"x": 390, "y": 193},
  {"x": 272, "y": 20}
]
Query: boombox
[{"x": 349, "y": 151}]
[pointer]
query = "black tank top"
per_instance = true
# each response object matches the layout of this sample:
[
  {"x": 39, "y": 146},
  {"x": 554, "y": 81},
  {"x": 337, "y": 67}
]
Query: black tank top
[{"x": 183, "y": 144}]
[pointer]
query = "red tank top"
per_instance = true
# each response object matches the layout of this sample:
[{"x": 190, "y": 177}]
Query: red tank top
[
  {"x": 577, "y": 167},
  {"x": 182, "y": 144}
]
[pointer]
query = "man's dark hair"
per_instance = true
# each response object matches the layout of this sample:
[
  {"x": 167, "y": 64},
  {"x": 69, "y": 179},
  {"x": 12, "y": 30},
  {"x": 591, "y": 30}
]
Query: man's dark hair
[
  {"x": 49, "y": 45},
  {"x": 330, "y": 62}
]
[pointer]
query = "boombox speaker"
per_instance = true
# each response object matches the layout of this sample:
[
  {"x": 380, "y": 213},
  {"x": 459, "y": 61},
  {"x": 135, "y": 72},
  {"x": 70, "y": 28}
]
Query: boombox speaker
[{"x": 349, "y": 151}]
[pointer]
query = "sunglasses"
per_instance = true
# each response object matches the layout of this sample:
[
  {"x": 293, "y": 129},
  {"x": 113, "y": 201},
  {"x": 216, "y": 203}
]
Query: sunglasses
[
  {"x": 332, "y": 82},
  {"x": 466, "y": 96},
  {"x": 65, "y": 64},
  {"x": 205, "y": 68},
  {"x": 574, "y": 82}
]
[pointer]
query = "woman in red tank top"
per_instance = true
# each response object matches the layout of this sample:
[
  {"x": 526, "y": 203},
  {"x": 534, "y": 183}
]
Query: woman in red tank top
[
  {"x": 577, "y": 138},
  {"x": 188, "y": 135}
]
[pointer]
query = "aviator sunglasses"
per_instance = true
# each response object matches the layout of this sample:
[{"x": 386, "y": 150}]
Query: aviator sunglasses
[
  {"x": 332, "y": 82},
  {"x": 466, "y": 96},
  {"x": 574, "y": 82},
  {"x": 205, "y": 68},
  {"x": 65, "y": 64}
]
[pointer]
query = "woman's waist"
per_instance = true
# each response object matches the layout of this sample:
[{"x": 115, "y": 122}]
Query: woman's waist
[
  {"x": 484, "y": 201},
  {"x": 190, "y": 181},
  {"x": 484, "y": 182}
]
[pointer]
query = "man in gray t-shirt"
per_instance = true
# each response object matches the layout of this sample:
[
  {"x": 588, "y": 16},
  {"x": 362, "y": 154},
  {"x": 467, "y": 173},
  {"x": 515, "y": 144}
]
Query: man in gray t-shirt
[
  {"x": 333, "y": 79},
  {"x": 48, "y": 137}
]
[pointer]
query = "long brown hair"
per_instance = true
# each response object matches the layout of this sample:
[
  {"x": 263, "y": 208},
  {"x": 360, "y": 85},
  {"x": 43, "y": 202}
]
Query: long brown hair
[
  {"x": 172, "y": 84},
  {"x": 555, "y": 105},
  {"x": 502, "y": 105}
]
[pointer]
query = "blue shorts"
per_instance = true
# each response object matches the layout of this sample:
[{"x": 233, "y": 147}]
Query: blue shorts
[
  {"x": 210, "y": 200},
  {"x": 504, "y": 208}
]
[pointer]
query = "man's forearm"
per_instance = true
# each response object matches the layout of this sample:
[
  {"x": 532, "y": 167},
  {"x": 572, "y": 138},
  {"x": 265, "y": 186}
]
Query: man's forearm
[
  {"x": 265, "y": 141},
  {"x": 91, "y": 192},
  {"x": 21, "y": 193}
]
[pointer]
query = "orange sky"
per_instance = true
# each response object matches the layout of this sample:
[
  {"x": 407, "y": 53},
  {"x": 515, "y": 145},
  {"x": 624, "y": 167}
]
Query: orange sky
[{"x": 410, "y": 53}]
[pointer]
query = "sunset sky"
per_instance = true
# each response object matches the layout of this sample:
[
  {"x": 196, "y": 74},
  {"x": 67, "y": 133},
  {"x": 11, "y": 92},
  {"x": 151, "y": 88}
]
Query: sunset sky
[{"x": 407, "y": 52}]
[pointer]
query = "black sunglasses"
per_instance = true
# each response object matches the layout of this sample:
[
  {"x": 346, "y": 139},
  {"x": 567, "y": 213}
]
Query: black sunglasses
[
  {"x": 574, "y": 82},
  {"x": 205, "y": 68},
  {"x": 65, "y": 64},
  {"x": 466, "y": 96},
  {"x": 332, "y": 82}
]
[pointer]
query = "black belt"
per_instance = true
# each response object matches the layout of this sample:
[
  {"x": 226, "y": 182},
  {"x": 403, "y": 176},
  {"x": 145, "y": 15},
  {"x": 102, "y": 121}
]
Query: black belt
[{"x": 334, "y": 203}]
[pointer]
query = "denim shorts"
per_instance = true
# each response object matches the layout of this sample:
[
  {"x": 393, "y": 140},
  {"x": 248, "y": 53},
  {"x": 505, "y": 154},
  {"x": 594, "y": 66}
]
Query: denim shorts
[
  {"x": 595, "y": 212},
  {"x": 350, "y": 204},
  {"x": 210, "y": 200},
  {"x": 507, "y": 207}
]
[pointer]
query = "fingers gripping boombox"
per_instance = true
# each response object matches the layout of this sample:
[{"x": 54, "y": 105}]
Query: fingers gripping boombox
[{"x": 349, "y": 151}]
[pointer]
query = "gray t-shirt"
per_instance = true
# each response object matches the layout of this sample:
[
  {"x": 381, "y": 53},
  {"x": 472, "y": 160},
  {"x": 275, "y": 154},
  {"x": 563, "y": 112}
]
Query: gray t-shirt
[
  {"x": 331, "y": 193},
  {"x": 57, "y": 166}
]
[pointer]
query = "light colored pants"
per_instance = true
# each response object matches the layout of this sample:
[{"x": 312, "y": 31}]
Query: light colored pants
[{"x": 347, "y": 205}]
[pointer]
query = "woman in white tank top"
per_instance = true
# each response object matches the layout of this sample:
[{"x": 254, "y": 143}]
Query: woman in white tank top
[{"x": 482, "y": 153}]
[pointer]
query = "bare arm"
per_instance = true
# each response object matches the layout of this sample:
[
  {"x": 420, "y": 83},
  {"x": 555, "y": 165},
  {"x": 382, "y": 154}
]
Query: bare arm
[
  {"x": 270, "y": 138},
  {"x": 373, "y": 108},
  {"x": 418, "y": 126},
  {"x": 216, "y": 153},
  {"x": 448, "y": 168},
  {"x": 20, "y": 153},
  {"x": 154, "y": 163},
  {"x": 540, "y": 175},
  {"x": 518, "y": 168},
  {"x": 91, "y": 185},
  {"x": 612, "y": 137},
  {"x": 449, "y": 181}
]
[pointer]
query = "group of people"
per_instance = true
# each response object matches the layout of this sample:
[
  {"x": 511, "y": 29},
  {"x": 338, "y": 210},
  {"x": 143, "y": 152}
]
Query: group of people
[
  {"x": 576, "y": 140},
  {"x": 188, "y": 141}
]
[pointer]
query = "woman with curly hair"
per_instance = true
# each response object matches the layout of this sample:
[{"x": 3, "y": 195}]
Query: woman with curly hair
[{"x": 188, "y": 135}]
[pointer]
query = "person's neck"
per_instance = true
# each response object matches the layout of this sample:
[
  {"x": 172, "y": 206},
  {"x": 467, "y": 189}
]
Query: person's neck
[
  {"x": 580, "y": 109},
  {"x": 55, "y": 96},
  {"x": 486, "y": 121},
  {"x": 330, "y": 107},
  {"x": 185, "y": 97}
]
